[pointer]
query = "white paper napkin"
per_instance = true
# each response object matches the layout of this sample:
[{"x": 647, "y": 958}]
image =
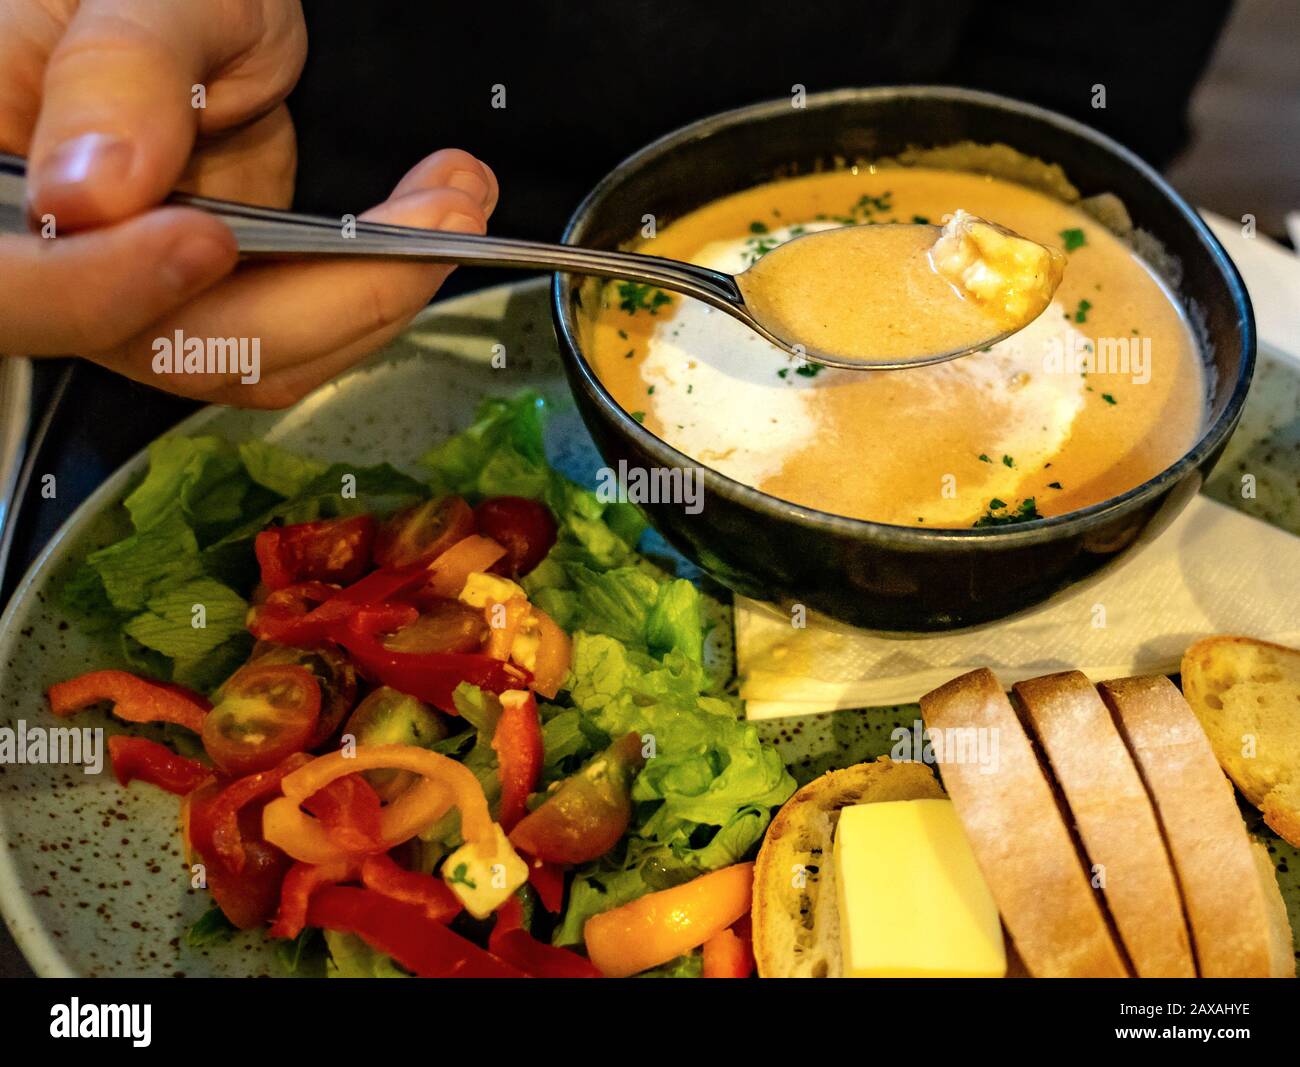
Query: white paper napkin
[{"x": 1214, "y": 571}]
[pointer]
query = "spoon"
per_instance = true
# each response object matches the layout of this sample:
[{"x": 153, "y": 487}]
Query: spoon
[{"x": 267, "y": 233}]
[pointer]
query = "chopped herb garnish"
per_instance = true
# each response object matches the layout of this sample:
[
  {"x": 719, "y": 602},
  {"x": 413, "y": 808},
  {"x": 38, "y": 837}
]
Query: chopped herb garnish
[
  {"x": 1109, "y": 399},
  {"x": 809, "y": 370},
  {"x": 630, "y": 353},
  {"x": 690, "y": 388},
  {"x": 1007, "y": 461},
  {"x": 460, "y": 876},
  {"x": 784, "y": 372},
  {"x": 639, "y": 416},
  {"x": 1081, "y": 312},
  {"x": 921, "y": 220},
  {"x": 635, "y": 296},
  {"x": 1026, "y": 511},
  {"x": 1053, "y": 485},
  {"x": 984, "y": 458},
  {"x": 623, "y": 334},
  {"x": 757, "y": 247},
  {"x": 757, "y": 227},
  {"x": 1073, "y": 239}
]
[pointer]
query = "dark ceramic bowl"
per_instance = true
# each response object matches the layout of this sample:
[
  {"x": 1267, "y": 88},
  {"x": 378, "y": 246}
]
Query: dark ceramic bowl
[{"x": 894, "y": 578}]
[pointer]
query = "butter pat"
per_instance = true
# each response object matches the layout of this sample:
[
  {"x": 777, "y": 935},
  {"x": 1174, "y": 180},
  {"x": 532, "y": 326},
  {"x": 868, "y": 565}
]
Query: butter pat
[{"x": 912, "y": 900}]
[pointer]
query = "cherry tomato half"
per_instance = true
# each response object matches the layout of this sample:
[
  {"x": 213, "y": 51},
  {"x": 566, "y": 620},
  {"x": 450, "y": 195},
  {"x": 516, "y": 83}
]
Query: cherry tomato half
[
  {"x": 334, "y": 673},
  {"x": 443, "y": 626},
  {"x": 585, "y": 817},
  {"x": 525, "y": 527},
  {"x": 267, "y": 711},
  {"x": 332, "y": 550},
  {"x": 422, "y": 532}
]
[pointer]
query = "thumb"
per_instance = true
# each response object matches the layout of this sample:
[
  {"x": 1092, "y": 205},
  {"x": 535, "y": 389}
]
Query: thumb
[{"x": 118, "y": 119}]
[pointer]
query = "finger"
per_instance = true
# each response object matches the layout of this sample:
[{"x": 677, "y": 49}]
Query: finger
[
  {"x": 72, "y": 294},
  {"x": 254, "y": 164},
  {"x": 452, "y": 168},
  {"x": 309, "y": 319},
  {"x": 28, "y": 34},
  {"x": 118, "y": 116}
]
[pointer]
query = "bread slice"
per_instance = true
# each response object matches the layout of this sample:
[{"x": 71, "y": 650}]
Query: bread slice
[
  {"x": 796, "y": 919},
  {"x": 1223, "y": 892},
  {"x": 1281, "y": 953},
  {"x": 1114, "y": 819},
  {"x": 1019, "y": 836},
  {"x": 1246, "y": 693}
]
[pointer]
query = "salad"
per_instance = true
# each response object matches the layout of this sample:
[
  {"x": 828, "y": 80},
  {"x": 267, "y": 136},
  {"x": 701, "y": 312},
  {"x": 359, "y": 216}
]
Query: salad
[{"x": 449, "y": 725}]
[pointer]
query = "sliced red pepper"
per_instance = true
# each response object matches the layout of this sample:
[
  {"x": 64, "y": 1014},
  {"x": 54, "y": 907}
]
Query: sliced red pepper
[
  {"x": 134, "y": 699},
  {"x": 429, "y": 676},
  {"x": 424, "y": 947},
  {"x": 221, "y": 825},
  {"x": 548, "y": 880},
  {"x": 348, "y": 809},
  {"x": 518, "y": 745},
  {"x": 287, "y": 616},
  {"x": 250, "y": 897},
  {"x": 511, "y": 942},
  {"x": 331, "y": 550},
  {"x": 139, "y": 758},
  {"x": 307, "y": 615},
  {"x": 300, "y": 883},
  {"x": 381, "y": 873}
]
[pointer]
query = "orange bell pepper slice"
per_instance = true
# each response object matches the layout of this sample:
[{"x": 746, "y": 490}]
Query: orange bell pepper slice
[{"x": 659, "y": 927}]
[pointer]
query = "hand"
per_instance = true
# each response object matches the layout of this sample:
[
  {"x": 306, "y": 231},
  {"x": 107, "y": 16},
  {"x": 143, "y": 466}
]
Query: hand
[{"x": 100, "y": 96}]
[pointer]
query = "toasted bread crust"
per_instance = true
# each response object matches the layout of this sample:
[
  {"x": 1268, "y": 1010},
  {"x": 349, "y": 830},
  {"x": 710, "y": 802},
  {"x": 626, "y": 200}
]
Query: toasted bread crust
[
  {"x": 1227, "y": 910},
  {"x": 1114, "y": 818},
  {"x": 794, "y": 927},
  {"x": 1243, "y": 690},
  {"x": 1020, "y": 839}
]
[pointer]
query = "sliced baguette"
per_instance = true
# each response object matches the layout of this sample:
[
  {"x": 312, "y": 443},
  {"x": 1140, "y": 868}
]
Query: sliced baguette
[
  {"x": 796, "y": 914},
  {"x": 1227, "y": 908},
  {"x": 1114, "y": 819},
  {"x": 1281, "y": 954},
  {"x": 1020, "y": 838},
  {"x": 1246, "y": 694}
]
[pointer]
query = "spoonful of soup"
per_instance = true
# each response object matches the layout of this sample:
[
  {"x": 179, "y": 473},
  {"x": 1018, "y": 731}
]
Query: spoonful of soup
[
  {"x": 894, "y": 295},
  {"x": 869, "y": 297}
]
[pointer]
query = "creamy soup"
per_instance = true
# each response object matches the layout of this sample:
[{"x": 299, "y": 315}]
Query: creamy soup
[
  {"x": 894, "y": 292},
  {"x": 1097, "y": 394}
]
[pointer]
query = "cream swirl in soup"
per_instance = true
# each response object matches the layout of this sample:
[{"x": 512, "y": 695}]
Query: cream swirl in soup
[{"x": 1100, "y": 392}]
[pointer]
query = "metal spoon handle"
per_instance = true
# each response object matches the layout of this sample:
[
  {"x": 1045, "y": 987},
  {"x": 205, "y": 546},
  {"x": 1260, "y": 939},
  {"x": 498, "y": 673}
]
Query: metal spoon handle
[{"x": 266, "y": 232}]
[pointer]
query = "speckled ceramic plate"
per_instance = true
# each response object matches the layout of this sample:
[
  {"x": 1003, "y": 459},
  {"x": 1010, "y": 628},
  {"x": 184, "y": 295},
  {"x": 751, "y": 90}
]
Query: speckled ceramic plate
[{"x": 91, "y": 877}]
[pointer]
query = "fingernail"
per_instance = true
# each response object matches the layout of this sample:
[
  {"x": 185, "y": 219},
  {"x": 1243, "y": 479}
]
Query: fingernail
[
  {"x": 195, "y": 260},
  {"x": 92, "y": 158},
  {"x": 459, "y": 222},
  {"x": 467, "y": 181}
]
